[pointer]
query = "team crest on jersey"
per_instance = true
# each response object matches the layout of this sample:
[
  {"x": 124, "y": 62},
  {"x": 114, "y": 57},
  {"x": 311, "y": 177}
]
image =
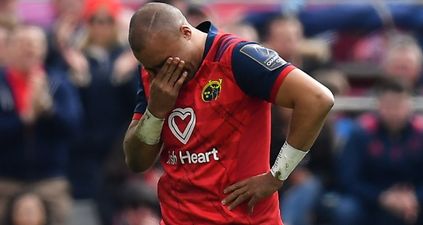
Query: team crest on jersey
[
  {"x": 268, "y": 58},
  {"x": 212, "y": 90}
]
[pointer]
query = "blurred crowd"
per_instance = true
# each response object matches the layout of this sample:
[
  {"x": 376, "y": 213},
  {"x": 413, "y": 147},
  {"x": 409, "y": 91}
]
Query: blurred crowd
[{"x": 68, "y": 83}]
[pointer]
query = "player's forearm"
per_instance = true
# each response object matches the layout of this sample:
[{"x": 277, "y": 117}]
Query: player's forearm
[
  {"x": 139, "y": 156},
  {"x": 308, "y": 117}
]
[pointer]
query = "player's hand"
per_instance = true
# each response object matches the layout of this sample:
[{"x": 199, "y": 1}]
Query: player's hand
[
  {"x": 165, "y": 86},
  {"x": 252, "y": 189}
]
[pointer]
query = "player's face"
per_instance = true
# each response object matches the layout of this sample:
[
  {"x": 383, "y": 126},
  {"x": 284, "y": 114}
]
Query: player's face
[
  {"x": 160, "y": 49},
  {"x": 394, "y": 109}
]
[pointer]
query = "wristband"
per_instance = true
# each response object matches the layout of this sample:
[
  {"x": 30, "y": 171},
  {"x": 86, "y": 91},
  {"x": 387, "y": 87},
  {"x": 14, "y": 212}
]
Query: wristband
[
  {"x": 149, "y": 128},
  {"x": 288, "y": 158}
]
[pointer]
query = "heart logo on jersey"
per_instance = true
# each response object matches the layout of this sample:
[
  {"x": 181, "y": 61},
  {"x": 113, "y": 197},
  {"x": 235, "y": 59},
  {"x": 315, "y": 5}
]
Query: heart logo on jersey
[{"x": 184, "y": 135}]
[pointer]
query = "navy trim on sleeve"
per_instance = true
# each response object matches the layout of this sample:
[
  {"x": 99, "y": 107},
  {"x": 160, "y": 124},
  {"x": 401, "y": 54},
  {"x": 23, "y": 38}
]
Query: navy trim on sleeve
[
  {"x": 141, "y": 101},
  {"x": 256, "y": 69},
  {"x": 224, "y": 43}
]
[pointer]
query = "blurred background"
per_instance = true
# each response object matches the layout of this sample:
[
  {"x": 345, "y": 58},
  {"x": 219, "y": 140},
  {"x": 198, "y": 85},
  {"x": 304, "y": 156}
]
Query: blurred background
[{"x": 68, "y": 82}]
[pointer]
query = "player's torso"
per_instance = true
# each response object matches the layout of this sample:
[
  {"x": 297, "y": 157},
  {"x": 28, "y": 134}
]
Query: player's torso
[
  {"x": 201, "y": 136},
  {"x": 215, "y": 136}
]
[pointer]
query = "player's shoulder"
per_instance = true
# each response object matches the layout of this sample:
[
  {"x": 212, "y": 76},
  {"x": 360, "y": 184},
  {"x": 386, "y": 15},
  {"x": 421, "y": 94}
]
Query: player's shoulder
[{"x": 252, "y": 52}]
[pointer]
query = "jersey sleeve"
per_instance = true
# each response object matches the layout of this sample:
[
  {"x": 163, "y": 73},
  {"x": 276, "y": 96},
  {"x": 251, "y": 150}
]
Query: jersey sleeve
[
  {"x": 259, "y": 71},
  {"x": 141, "y": 100}
]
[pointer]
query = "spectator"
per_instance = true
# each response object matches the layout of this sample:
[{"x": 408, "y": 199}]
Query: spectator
[
  {"x": 403, "y": 59},
  {"x": 3, "y": 36},
  {"x": 63, "y": 35},
  {"x": 380, "y": 165},
  {"x": 27, "y": 208},
  {"x": 284, "y": 34},
  {"x": 138, "y": 204},
  {"x": 197, "y": 14},
  {"x": 243, "y": 30},
  {"x": 8, "y": 14},
  {"x": 107, "y": 96},
  {"x": 39, "y": 113}
]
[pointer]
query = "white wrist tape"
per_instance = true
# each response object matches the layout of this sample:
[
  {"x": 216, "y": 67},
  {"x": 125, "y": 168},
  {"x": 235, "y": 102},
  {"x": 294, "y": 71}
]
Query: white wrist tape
[
  {"x": 288, "y": 158},
  {"x": 149, "y": 128}
]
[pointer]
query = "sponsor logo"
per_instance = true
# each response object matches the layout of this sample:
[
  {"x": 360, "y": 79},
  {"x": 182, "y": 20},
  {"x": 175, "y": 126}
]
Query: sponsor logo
[
  {"x": 274, "y": 60},
  {"x": 182, "y": 135},
  {"x": 186, "y": 157},
  {"x": 212, "y": 90},
  {"x": 173, "y": 159}
]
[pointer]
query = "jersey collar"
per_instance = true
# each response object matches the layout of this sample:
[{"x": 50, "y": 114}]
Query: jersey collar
[{"x": 211, "y": 30}]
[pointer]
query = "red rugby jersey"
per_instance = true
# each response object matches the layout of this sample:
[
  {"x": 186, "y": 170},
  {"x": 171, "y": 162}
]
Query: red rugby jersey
[{"x": 219, "y": 132}]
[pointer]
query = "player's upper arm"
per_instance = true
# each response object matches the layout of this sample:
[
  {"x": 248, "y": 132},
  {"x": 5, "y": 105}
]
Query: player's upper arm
[
  {"x": 259, "y": 71},
  {"x": 300, "y": 87}
]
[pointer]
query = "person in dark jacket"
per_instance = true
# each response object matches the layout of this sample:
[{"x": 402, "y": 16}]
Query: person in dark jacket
[
  {"x": 107, "y": 97},
  {"x": 39, "y": 114},
  {"x": 381, "y": 164}
]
